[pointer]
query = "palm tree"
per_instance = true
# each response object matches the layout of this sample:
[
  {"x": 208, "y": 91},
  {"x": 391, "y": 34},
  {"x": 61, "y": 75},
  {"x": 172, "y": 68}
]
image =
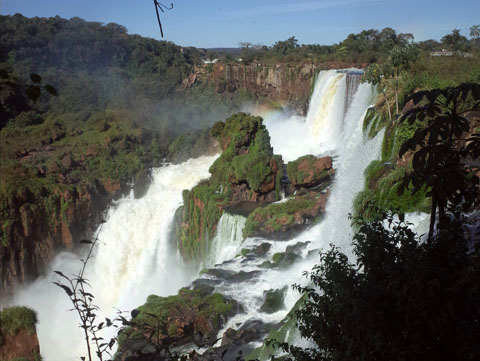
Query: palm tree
[{"x": 475, "y": 33}]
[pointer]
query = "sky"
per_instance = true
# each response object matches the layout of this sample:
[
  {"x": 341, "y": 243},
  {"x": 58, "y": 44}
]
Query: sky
[{"x": 226, "y": 23}]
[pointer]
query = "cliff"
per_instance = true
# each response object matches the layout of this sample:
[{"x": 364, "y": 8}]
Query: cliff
[
  {"x": 246, "y": 179},
  {"x": 246, "y": 172},
  {"x": 281, "y": 83},
  {"x": 54, "y": 186},
  {"x": 18, "y": 338},
  {"x": 273, "y": 84},
  {"x": 44, "y": 224}
]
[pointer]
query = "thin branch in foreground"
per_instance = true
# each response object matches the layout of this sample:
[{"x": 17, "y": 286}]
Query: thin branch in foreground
[{"x": 162, "y": 8}]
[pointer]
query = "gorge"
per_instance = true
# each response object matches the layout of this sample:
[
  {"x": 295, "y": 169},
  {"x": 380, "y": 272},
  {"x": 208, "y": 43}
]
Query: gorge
[
  {"x": 136, "y": 256},
  {"x": 278, "y": 201}
]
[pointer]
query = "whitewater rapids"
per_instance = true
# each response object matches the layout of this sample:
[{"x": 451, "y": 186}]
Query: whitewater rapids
[{"x": 135, "y": 257}]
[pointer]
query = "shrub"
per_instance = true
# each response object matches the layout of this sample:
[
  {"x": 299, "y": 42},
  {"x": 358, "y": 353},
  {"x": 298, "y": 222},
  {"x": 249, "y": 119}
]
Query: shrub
[
  {"x": 403, "y": 299},
  {"x": 17, "y": 318}
]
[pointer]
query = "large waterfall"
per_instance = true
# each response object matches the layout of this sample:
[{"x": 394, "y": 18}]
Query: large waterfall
[{"x": 134, "y": 258}]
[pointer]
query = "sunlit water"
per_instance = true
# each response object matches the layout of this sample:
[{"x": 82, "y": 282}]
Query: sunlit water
[{"x": 134, "y": 258}]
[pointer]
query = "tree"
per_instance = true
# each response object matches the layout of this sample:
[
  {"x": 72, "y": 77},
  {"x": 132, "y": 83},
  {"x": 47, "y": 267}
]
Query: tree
[
  {"x": 377, "y": 74},
  {"x": 475, "y": 33},
  {"x": 285, "y": 46},
  {"x": 400, "y": 57},
  {"x": 403, "y": 299},
  {"x": 245, "y": 45},
  {"x": 387, "y": 38},
  {"x": 442, "y": 155},
  {"x": 454, "y": 40},
  {"x": 405, "y": 38}
]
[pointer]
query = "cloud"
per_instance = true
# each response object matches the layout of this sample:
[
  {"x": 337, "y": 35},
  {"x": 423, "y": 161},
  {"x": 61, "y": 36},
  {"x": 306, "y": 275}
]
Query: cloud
[{"x": 297, "y": 7}]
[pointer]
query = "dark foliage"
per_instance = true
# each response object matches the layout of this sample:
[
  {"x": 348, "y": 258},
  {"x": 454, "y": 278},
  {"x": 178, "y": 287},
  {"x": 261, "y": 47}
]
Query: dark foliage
[
  {"x": 403, "y": 299},
  {"x": 15, "y": 94},
  {"x": 442, "y": 159}
]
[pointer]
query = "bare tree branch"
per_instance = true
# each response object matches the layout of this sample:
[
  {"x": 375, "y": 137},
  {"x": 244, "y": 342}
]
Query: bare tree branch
[{"x": 162, "y": 8}]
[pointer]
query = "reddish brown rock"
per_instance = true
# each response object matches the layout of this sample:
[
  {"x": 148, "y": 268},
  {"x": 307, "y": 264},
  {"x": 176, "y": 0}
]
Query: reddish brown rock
[
  {"x": 23, "y": 346},
  {"x": 43, "y": 227},
  {"x": 309, "y": 171}
]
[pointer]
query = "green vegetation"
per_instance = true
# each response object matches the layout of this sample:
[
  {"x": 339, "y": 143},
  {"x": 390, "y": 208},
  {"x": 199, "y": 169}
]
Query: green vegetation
[
  {"x": 277, "y": 216},
  {"x": 366, "y": 47},
  {"x": 303, "y": 168},
  {"x": 440, "y": 162},
  {"x": 17, "y": 318},
  {"x": 403, "y": 299},
  {"x": 274, "y": 300},
  {"x": 208, "y": 311},
  {"x": 383, "y": 179},
  {"x": 212, "y": 305},
  {"x": 201, "y": 213},
  {"x": 247, "y": 159},
  {"x": 247, "y": 152},
  {"x": 383, "y": 196},
  {"x": 120, "y": 109},
  {"x": 374, "y": 122}
]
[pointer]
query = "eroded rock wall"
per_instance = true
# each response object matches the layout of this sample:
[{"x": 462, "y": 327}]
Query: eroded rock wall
[{"x": 44, "y": 226}]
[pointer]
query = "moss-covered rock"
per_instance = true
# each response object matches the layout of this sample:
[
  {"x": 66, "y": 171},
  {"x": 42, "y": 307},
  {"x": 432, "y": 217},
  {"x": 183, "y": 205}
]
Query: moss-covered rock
[
  {"x": 284, "y": 259},
  {"x": 245, "y": 251},
  {"x": 274, "y": 300},
  {"x": 17, "y": 318},
  {"x": 18, "y": 338},
  {"x": 193, "y": 314},
  {"x": 262, "y": 249},
  {"x": 247, "y": 171},
  {"x": 285, "y": 331},
  {"x": 309, "y": 171},
  {"x": 266, "y": 264},
  {"x": 279, "y": 220},
  {"x": 247, "y": 157}
]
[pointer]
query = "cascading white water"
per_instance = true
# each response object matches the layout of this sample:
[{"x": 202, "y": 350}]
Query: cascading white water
[
  {"x": 353, "y": 154},
  {"x": 228, "y": 238},
  {"x": 133, "y": 260},
  {"x": 327, "y": 109}
]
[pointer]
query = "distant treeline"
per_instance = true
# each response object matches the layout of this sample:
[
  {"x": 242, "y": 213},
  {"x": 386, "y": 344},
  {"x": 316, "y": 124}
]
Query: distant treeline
[{"x": 368, "y": 46}]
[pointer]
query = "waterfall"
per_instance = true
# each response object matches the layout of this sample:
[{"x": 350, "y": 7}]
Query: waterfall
[
  {"x": 227, "y": 240},
  {"x": 353, "y": 80},
  {"x": 352, "y": 154},
  {"x": 326, "y": 112},
  {"x": 133, "y": 260}
]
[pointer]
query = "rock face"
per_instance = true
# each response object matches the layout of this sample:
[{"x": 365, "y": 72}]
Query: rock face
[
  {"x": 23, "y": 345},
  {"x": 288, "y": 84},
  {"x": 309, "y": 171},
  {"x": 18, "y": 337},
  {"x": 247, "y": 171},
  {"x": 195, "y": 315},
  {"x": 44, "y": 225},
  {"x": 308, "y": 177},
  {"x": 280, "y": 220}
]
